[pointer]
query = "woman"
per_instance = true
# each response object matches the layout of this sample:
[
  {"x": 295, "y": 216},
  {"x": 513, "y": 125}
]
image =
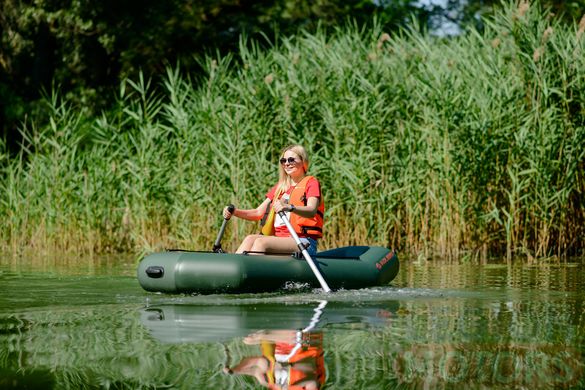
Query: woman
[{"x": 299, "y": 196}]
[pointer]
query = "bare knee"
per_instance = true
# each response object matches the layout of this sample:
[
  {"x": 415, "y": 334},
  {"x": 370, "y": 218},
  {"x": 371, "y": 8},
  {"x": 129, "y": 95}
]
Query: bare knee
[
  {"x": 249, "y": 240},
  {"x": 248, "y": 243},
  {"x": 259, "y": 245}
]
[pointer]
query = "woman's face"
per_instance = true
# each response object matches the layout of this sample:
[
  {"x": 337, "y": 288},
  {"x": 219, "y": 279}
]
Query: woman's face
[{"x": 292, "y": 163}]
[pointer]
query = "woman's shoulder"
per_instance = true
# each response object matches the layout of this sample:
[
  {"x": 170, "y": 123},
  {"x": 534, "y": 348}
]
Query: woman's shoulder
[
  {"x": 313, "y": 187},
  {"x": 270, "y": 194},
  {"x": 312, "y": 180}
]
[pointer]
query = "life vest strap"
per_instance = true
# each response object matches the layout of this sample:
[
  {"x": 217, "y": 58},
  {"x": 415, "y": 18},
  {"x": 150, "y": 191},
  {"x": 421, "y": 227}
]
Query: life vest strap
[
  {"x": 266, "y": 212},
  {"x": 305, "y": 229}
]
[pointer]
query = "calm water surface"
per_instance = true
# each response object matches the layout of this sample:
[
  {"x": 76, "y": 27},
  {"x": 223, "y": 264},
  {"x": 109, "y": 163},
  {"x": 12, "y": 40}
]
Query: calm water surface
[{"x": 437, "y": 326}]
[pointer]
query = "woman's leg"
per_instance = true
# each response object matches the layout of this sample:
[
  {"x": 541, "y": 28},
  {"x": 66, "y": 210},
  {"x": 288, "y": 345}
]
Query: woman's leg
[
  {"x": 272, "y": 244},
  {"x": 248, "y": 242},
  {"x": 256, "y": 366}
]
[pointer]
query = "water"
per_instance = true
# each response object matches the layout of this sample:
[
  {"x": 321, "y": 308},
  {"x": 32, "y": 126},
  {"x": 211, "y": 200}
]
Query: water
[{"x": 64, "y": 326}]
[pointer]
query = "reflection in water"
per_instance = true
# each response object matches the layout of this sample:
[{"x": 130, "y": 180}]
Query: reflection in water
[
  {"x": 280, "y": 345},
  {"x": 523, "y": 366},
  {"x": 184, "y": 323},
  {"x": 290, "y": 359},
  {"x": 438, "y": 327}
]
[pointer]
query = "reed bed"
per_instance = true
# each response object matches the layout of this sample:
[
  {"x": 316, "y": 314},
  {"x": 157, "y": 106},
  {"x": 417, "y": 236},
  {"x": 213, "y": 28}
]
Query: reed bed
[{"x": 467, "y": 147}]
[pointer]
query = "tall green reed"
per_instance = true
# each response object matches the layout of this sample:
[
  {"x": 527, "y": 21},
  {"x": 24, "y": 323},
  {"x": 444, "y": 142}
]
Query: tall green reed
[{"x": 462, "y": 147}]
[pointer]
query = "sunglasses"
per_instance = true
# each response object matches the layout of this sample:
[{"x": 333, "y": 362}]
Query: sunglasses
[{"x": 290, "y": 160}]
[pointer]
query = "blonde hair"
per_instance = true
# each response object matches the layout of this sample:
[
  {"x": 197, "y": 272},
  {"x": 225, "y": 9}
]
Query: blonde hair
[{"x": 284, "y": 180}]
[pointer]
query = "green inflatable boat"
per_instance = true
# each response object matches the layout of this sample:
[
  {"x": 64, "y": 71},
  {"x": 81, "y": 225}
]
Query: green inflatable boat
[{"x": 208, "y": 272}]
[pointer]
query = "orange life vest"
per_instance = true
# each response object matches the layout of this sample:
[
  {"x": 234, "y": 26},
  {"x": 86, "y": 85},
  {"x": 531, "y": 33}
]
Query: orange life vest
[
  {"x": 312, "y": 351},
  {"x": 311, "y": 227}
]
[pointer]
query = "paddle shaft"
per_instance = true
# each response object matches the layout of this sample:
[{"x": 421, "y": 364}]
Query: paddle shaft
[
  {"x": 304, "y": 252},
  {"x": 299, "y": 336},
  {"x": 217, "y": 245}
]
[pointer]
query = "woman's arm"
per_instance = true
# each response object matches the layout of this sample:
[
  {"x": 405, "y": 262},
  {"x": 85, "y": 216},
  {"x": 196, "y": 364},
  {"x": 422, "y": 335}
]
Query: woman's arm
[
  {"x": 307, "y": 211},
  {"x": 248, "y": 214}
]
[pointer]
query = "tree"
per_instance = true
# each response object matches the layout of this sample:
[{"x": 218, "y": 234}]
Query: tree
[{"x": 85, "y": 47}]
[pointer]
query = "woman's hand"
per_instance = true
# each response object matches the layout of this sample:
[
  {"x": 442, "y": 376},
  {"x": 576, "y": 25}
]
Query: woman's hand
[
  {"x": 280, "y": 206},
  {"x": 227, "y": 214}
]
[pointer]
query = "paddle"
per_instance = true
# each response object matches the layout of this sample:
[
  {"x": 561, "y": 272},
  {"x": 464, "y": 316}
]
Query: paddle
[
  {"x": 217, "y": 245},
  {"x": 304, "y": 252}
]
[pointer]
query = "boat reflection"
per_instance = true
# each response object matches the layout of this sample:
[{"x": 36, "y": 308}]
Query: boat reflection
[{"x": 183, "y": 323}]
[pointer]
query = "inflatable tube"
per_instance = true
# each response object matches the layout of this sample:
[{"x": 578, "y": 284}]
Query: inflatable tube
[{"x": 206, "y": 272}]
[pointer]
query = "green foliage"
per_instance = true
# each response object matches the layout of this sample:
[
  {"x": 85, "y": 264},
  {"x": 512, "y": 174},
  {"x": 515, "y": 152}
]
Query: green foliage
[
  {"x": 85, "y": 48},
  {"x": 462, "y": 147}
]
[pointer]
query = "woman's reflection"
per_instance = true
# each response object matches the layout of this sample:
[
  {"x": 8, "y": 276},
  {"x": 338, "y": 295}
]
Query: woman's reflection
[{"x": 289, "y": 359}]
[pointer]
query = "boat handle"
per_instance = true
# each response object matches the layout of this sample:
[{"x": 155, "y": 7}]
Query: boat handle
[{"x": 155, "y": 271}]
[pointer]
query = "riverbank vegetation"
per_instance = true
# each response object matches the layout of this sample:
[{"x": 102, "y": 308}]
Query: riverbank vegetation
[{"x": 466, "y": 147}]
